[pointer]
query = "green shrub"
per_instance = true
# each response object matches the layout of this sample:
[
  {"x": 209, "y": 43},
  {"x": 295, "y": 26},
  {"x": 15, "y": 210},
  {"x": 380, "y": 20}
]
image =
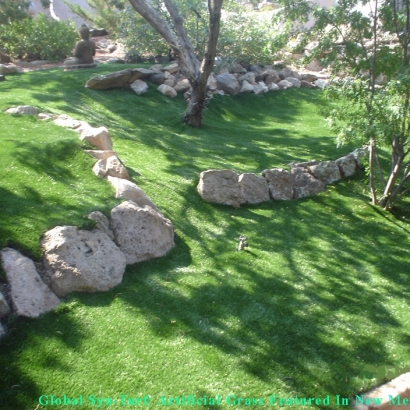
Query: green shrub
[{"x": 41, "y": 38}]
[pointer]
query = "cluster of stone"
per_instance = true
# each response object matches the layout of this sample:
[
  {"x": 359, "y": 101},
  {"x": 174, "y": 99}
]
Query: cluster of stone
[
  {"x": 80, "y": 260},
  {"x": 231, "y": 80},
  {"x": 303, "y": 180}
]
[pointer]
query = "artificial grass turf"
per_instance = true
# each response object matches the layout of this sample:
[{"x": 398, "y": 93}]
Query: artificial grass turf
[{"x": 320, "y": 297}]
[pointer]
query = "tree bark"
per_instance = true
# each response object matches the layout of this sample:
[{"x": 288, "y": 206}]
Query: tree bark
[{"x": 196, "y": 73}]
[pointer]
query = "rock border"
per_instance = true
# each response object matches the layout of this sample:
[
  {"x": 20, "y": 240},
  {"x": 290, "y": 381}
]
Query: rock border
[
  {"x": 303, "y": 180},
  {"x": 73, "y": 260}
]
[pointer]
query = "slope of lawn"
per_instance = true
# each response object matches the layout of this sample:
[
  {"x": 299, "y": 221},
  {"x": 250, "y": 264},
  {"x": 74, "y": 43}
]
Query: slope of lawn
[{"x": 318, "y": 305}]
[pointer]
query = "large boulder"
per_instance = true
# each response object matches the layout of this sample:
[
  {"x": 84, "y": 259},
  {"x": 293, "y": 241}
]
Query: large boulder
[
  {"x": 4, "y": 306},
  {"x": 167, "y": 90},
  {"x": 220, "y": 186},
  {"x": 347, "y": 165},
  {"x": 128, "y": 190},
  {"x": 105, "y": 82},
  {"x": 326, "y": 171},
  {"x": 82, "y": 261},
  {"x": 141, "y": 232},
  {"x": 271, "y": 76},
  {"x": 280, "y": 183},
  {"x": 306, "y": 84},
  {"x": 253, "y": 189},
  {"x": 139, "y": 87},
  {"x": 97, "y": 137},
  {"x": 305, "y": 184},
  {"x": 30, "y": 296},
  {"x": 228, "y": 83},
  {"x": 23, "y": 110},
  {"x": 172, "y": 68}
]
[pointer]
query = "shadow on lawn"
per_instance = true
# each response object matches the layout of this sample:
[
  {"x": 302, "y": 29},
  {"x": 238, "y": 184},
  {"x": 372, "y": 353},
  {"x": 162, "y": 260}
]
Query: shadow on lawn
[{"x": 287, "y": 327}]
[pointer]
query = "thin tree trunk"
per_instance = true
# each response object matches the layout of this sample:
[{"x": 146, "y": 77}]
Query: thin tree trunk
[{"x": 371, "y": 171}]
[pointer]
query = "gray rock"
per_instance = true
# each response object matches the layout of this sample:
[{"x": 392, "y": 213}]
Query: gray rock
[
  {"x": 82, "y": 261},
  {"x": 108, "y": 81},
  {"x": 182, "y": 86},
  {"x": 285, "y": 72},
  {"x": 280, "y": 183},
  {"x": 97, "y": 137},
  {"x": 260, "y": 88},
  {"x": 248, "y": 77},
  {"x": 228, "y": 83},
  {"x": 246, "y": 88},
  {"x": 236, "y": 68},
  {"x": 273, "y": 87},
  {"x": 220, "y": 186},
  {"x": 320, "y": 83},
  {"x": 157, "y": 77},
  {"x": 139, "y": 87},
  {"x": 212, "y": 84},
  {"x": 141, "y": 232},
  {"x": 284, "y": 84},
  {"x": 23, "y": 110},
  {"x": 30, "y": 296},
  {"x": 167, "y": 90},
  {"x": 253, "y": 189},
  {"x": 295, "y": 82},
  {"x": 305, "y": 184},
  {"x": 326, "y": 171},
  {"x": 271, "y": 76},
  {"x": 347, "y": 165},
  {"x": 128, "y": 190},
  {"x": 4, "y": 306}
]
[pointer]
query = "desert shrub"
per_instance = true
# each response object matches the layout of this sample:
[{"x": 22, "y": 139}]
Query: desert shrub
[{"x": 40, "y": 38}]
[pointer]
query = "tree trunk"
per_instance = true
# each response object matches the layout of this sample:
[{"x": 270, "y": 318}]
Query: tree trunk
[{"x": 184, "y": 52}]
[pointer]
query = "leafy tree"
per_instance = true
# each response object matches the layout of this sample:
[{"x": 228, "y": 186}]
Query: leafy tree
[
  {"x": 12, "y": 10},
  {"x": 368, "y": 54},
  {"x": 175, "y": 34}
]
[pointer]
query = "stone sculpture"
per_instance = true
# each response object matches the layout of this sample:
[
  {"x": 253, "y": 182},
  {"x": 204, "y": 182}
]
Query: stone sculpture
[{"x": 84, "y": 52}]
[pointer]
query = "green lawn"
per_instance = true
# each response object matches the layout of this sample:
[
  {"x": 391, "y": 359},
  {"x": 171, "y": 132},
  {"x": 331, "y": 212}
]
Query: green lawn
[{"x": 317, "y": 306}]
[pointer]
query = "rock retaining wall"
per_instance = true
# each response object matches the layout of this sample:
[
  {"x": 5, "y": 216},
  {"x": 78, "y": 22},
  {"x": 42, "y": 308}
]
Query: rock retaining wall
[
  {"x": 231, "y": 80},
  {"x": 86, "y": 261},
  {"x": 304, "y": 179}
]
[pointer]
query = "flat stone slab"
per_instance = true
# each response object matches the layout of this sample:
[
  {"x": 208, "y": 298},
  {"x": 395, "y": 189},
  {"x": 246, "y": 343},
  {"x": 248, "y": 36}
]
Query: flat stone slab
[{"x": 29, "y": 294}]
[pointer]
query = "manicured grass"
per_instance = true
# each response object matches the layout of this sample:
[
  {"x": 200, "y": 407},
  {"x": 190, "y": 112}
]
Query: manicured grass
[{"x": 320, "y": 297}]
